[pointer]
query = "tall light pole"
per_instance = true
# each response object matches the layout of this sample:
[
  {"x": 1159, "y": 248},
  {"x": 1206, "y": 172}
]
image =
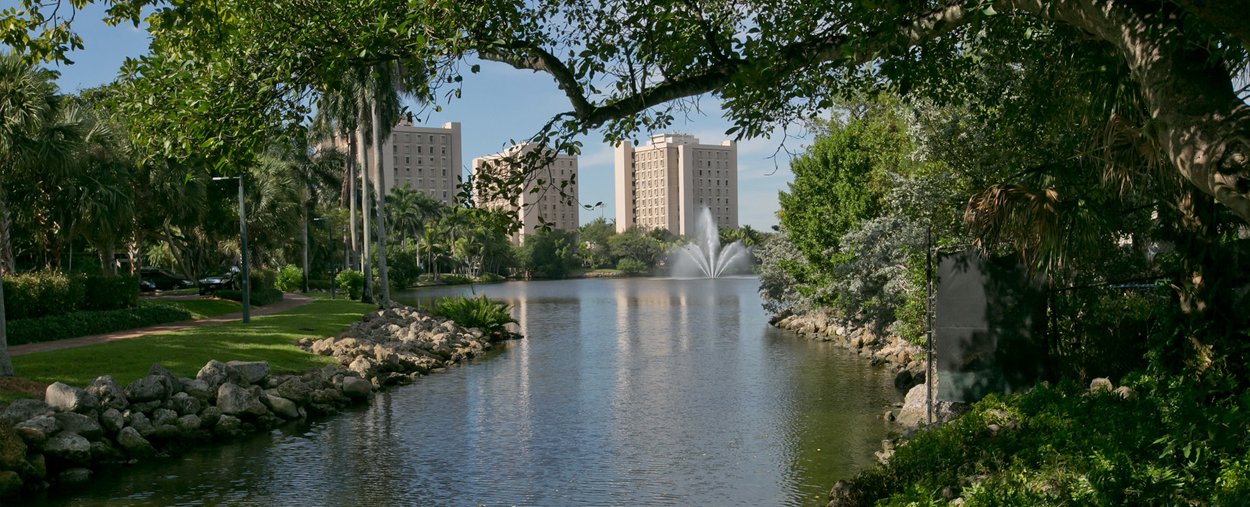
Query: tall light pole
[
  {"x": 330, "y": 238},
  {"x": 247, "y": 299}
]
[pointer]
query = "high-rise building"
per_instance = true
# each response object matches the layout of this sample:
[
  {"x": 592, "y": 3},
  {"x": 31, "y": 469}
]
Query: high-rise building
[
  {"x": 545, "y": 205},
  {"x": 664, "y": 183},
  {"x": 428, "y": 158}
]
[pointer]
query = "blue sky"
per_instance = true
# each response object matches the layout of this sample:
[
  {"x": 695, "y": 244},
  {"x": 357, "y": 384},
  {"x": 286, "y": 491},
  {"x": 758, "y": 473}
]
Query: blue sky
[{"x": 497, "y": 105}]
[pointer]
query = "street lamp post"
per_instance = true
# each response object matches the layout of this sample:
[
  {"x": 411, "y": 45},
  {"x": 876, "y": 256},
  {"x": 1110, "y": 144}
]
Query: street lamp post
[
  {"x": 247, "y": 300},
  {"x": 330, "y": 237}
]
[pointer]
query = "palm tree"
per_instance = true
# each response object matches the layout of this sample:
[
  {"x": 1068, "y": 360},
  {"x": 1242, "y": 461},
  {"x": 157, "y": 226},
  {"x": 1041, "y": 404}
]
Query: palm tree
[
  {"x": 408, "y": 211},
  {"x": 388, "y": 83},
  {"x": 33, "y": 139},
  {"x": 102, "y": 191},
  {"x": 337, "y": 116}
]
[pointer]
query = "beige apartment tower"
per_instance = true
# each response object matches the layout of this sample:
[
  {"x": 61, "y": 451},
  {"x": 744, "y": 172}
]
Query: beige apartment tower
[
  {"x": 665, "y": 183},
  {"x": 428, "y": 158},
  {"x": 546, "y": 202}
]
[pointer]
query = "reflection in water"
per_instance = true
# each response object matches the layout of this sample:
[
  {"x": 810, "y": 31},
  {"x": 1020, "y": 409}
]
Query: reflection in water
[{"x": 625, "y": 392}]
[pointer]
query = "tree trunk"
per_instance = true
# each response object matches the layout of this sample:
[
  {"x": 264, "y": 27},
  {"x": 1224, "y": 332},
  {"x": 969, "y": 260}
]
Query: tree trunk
[
  {"x": 173, "y": 249},
  {"x": 1203, "y": 127},
  {"x": 305, "y": 233},
  {"x": 107, "y": 250},
  {"x": 379, "y": 185},
  {"x": 366, "y": 259},
  {"x": 132, "y": 252},
  {"x": 6, "y": 363},
  {"x": 6, "y": 227},
  {"x": 354, "y": 198}
]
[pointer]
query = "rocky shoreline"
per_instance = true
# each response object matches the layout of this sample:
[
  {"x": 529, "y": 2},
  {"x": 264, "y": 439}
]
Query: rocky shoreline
[{"x": 61, "y": 439}]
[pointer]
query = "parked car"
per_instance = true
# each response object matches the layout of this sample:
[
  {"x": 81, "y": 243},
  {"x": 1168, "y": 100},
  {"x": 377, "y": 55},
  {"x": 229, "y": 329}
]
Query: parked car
[
  {"x": 146, "y": 286},
  {"x": 219, "y": 278},
  {"x": 164, "y": 279}
]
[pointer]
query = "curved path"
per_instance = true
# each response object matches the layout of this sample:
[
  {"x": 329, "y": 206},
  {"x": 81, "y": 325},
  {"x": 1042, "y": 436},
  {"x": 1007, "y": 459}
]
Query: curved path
[{"x": 288, "y": 302}]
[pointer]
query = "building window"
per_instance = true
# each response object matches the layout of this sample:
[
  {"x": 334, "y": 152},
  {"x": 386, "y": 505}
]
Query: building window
[
  {"x": 407, "y": 160},
  {"x": 418, "y": 149},
  {"x": 395, "y": 148},
  {"x": 444, "y": 172}
]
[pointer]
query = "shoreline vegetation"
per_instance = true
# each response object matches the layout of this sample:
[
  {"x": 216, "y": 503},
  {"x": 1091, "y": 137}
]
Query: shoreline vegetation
[{"x": 174, "y": 406}]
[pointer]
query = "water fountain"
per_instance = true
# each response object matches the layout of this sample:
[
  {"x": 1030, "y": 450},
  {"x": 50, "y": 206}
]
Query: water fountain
[{"x": 706, "y": 257}]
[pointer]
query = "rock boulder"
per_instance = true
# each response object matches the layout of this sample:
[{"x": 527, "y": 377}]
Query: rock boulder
[
  {"x": 146, "y": 389},
  {"x": 216, "y": 373},
  {"x": 108, "y": 393},
  {"x": 112, "y": 421},
  {"x": 357, "y": 387},
  {"x": 68, "y": 398},
  {"x": 134, "y": 443},
  {"x": 37, "y": 430},
  {"x": 70, "y": 447},
  {"x": 198, "y": 389},
  {"x": 25, "y": 409},
  {"x": 79, "y": 424},
  {"x": 251, "y": 372},
  {"x": 184, "y": 404},
  {"x": 234, "y": 400},
  {"x": 12, "y": 448},
  {"x": 282, "y": 406}
]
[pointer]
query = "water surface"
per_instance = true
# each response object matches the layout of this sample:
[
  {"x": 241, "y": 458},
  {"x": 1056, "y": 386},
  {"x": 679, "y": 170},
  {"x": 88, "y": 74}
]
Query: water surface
[{"x": 625, "y": 392}]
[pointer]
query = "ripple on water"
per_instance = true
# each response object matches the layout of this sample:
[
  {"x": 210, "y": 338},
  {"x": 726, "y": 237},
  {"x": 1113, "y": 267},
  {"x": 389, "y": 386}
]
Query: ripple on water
[{"x": 626, "y": 392}]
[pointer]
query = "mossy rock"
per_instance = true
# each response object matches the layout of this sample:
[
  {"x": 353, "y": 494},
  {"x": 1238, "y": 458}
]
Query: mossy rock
[{"x": 12, "y": 448}]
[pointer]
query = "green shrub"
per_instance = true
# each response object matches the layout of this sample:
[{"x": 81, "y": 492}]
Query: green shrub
[
  {"x": 261, "y": 278},
  {"x": 59, "y": 327},
  {"x": 42, "y": 293},
  {"x": 111, "y": 292},
  {"x": 456, "y": 280},
  {"x": 350, "y": 282},
  {"x": 289, "y": 279},
  {"x": 256, "y": 297},
  {"x": 489, "y": 316},
  {"x": 630, "y": 266},
  {"x": 402, "y": 268},
  {"x": 320, "y": 284},
  {"x": 490, "y": 278}
]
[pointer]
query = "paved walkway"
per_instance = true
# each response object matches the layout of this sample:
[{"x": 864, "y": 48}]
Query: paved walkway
[{"x": 288, "y": 302}]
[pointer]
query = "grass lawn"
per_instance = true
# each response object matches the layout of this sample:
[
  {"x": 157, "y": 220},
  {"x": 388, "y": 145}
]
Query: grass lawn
[
  {"x": 268, "y": 338},
  {"x": 206, "y": 308}
]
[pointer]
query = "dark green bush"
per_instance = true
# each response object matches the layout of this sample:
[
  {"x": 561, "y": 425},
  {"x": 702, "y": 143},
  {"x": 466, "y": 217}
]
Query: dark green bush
[
  {"x": 59, "y": 327},
  {"x": 111, "y": 292},
  {"x": 456, "y": 280},
  {"x": 261, "y": 278},
  {"x": 401, "y": 266},
  {"x": 42, "y": 293},
  {"x": 289, "y": 279},
  {"x": 490, "y": 278},
  {"x": 351, "y": 282},
  {"x": 320, "y": 284},
  {"x": 256, "y": 297},
  {"x": 1064, "y": 446},
  {"x": 630, "y": 266},
  {"x": 489, "y": 316}
]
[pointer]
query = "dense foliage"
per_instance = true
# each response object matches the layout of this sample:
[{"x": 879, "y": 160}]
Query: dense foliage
[
  {"x": 485, "y": 314},
  {"x": 45, "y": 293},
  {"x": 350, "y": 282},
  {"x": 84, "y": 323},
  {"x": 1063, "y": 446},
  {"x": 289, "y": 279}
]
